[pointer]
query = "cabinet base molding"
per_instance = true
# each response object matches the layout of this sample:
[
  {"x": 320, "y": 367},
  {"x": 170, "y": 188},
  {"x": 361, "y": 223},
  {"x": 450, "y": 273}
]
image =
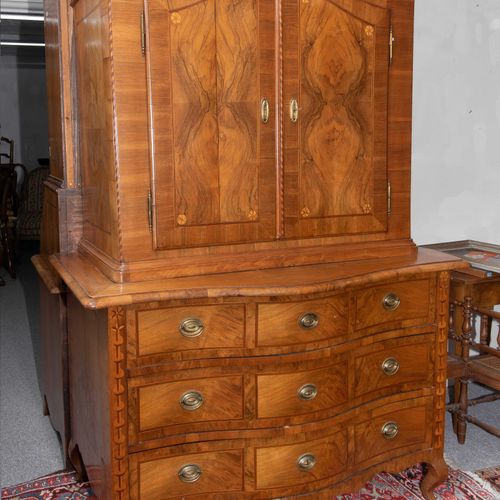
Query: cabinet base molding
[{"x": 213, "y": 260}]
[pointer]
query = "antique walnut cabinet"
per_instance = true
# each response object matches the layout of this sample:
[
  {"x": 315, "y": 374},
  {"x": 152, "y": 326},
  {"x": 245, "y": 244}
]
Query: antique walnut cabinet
[{"x": 246, "y": 314}]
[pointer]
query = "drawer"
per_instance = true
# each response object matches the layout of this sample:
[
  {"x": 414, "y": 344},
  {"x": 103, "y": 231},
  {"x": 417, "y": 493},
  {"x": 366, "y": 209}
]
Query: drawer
[
  {"x": 193, "y": 327},
  {"x": 393, "y": 430},
  {"x": 280, "y": 395},
  {"x": 176, "y": 477},
  {"x": 394, "y": 363},
  {"x": 288, "y": 323},
  {"x": 301, "y": 463},
  {"x": 187, "y": 401},
  {"x": 405, "y": 300}
]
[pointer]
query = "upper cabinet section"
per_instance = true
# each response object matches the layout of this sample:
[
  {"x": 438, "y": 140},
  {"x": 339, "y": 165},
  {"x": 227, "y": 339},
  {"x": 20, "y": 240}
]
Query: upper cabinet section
[
  {"x": 211, "y": 83},
  {"x": 336, "y": 62},
  {"x": 223, "y": 135}
]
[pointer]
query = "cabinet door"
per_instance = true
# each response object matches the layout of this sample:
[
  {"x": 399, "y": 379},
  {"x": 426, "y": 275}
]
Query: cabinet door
[
  {"x": 336, "y": 60},
  {"x": 210, "y": 63}
]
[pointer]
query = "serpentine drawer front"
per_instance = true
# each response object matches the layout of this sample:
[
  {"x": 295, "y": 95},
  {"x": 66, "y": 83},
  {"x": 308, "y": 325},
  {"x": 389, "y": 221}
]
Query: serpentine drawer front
[
  {"x": 191, "y": 474},
  {"x": 197, "y": 400},
  {"x": 389, "y": 430},
  {"x": 187, "y": 328},
  {"x": 381, "y": 305},
  {"x": 281, "y": 395},
  {"x": 300, "y": 322},
  {"x": 306, "y": 462},
  {"x": 393, "y": 364}
]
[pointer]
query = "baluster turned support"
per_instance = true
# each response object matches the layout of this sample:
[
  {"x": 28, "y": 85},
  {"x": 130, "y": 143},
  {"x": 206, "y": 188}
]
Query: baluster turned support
[
  {"x": 484, "y": 336},
  {"x": 498, "y": 336},
  {"x": 451, "y": 325},
  {"x": 463, "y": 381}
]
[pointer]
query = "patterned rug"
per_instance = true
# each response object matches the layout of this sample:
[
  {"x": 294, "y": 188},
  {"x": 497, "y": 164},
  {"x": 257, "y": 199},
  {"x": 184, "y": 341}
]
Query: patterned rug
[
  {"x": 403, "y": 486},
  {"x": 491, "y": 475}
]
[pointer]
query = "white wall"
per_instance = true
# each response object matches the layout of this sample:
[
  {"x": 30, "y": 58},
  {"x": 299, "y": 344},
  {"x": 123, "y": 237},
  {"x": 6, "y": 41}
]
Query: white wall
[{"x": 456, "y": 121}]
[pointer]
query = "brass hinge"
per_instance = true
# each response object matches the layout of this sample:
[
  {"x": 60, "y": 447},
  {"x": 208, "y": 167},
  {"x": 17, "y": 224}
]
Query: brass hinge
[
  {"x": 143, "y": 34},
  {"x": 391, "y": 44},
  {"x": 389, "y": 198},
  {"x": 150, "y": 211}
]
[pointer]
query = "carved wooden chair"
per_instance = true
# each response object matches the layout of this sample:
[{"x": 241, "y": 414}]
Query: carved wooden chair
[
  {"x": 7, "y": 218},
  {"x": 476, "y": 360}
]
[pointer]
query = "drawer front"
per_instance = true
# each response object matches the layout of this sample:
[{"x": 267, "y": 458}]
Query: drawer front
[
  {"x": 280, "y": 395},
  {"x": 288, "y": 465},
  {"x": 289, "y": 323},
  {"x": 388, "y": 432},
  {"x": 176, "y": 477},
  {"x": 390, "y": 364},
  {"x": 194, "y": 327},
  {"x": 185, "y": 401},
  {"x": 378, "y": 305}
]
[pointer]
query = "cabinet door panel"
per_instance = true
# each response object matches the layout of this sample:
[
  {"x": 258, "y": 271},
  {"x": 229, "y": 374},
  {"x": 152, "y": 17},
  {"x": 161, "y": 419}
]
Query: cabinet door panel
[
  {"x": 209, "y": 64},
  {"x": 336, "y": 58}
]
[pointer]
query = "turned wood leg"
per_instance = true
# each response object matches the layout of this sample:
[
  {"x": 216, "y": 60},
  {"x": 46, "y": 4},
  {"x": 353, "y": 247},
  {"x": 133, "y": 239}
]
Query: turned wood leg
[
  {"x": 437, "y": 473},
  {"x": 46, "y": 412},
  {"x": 454, "y": 397},
  {"x": 462, "y": 411},
  {"x": 76, "y": 460}
]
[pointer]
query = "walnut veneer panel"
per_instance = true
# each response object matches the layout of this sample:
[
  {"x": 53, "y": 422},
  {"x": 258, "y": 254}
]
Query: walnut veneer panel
[
  {"x": 95, "y": 127},
  {"x": 278, "y": 394},
  {"x": 54, "y": 87},
  {"x": 415, "y": 304},
  {"x": 277, "y": 465},
  {"x": 159, "y": 405},
  {"x": 413, "y": 423},
  {"x": 414, "y": 357},
  {"x": 336, "y": 65},
  {"x": 209, "y": 65},
  {"x": 222, "y": 471},
  {"x": 279, "y": 324},
  {"x": 158, "y": 330}
]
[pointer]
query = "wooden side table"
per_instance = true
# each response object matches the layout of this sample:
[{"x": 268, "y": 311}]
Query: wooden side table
[{"x": 482, "y": 286}]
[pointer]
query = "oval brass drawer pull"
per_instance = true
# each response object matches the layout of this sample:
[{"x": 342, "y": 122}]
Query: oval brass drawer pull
[
  {"x": 391, "y": 302},
  {"x": 189, "y": 473},
  {"x": 390, "y": 366},
  {"x": 191, "y": 327},
  {"x": 309, "y": 320},
  {"x": 390, "y": 430},
  {"x": 307, "y": 392},
  {"x": 306, "y": 462},
  {"x": 191, "y": 401}
]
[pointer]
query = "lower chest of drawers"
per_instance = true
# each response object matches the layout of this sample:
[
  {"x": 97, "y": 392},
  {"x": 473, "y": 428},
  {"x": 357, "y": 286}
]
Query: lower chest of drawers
[{"x": 265, "y": 396}]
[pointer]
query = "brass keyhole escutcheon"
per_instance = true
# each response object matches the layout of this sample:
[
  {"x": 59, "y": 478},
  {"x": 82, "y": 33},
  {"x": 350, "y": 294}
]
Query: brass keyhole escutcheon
[
  {"x": 294, "y": 110},
  {"x": 264, "y": 110}
]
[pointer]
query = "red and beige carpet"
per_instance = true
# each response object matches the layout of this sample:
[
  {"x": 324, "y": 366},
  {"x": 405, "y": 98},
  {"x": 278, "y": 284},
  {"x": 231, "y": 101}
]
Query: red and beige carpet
[{"x": 403, "y": 486}]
